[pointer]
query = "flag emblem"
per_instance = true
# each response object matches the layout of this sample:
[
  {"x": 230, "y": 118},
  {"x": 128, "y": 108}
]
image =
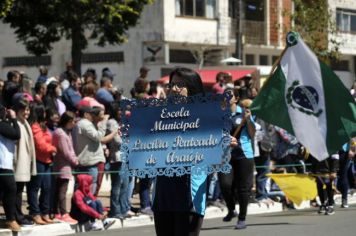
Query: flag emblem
[{"x": 304, "y": 98}]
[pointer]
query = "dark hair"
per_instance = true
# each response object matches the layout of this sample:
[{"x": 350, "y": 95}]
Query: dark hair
[
  {"x": 96, "y": 110},
  {"x": 153, "y": 88},
  {"x": 21, "y": 104},
  {"x": 9, "y": 90},
  {"x": 191, "y": 78},
  {"x": 72, "y": 76},
  {"x": 66, "y": 118},
  {"x": 234, "y": 91},
  {"x": 104, "y": 80},
  {"x": 114, "y": 108},
  {"x": 11, "y": 74},
  {"x": 38, "y": 114},
  {"x": 219, "y": 75},
  {"x": 38, "y": 86},
  {"x": 140, "y": 85},
  {"x": 89, "y": 89},
  {"x": 51, "y": 89}
]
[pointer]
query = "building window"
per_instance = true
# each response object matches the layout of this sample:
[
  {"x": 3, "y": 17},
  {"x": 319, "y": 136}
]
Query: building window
[
  {"x": 181, "y": 56},
  {"x": 264, "y": 60},
  {"x": 250, "y": 59},
  {"x": 255, "y": 10},
  {"x": 27, "y": 61},
  {"x": 103, "y": 57},
  {"x": 196, "y": 8},
  {"x": 342, "y": 65},
  {"x": 274, "y": 59},
  {"x": 346, "y": 20}
]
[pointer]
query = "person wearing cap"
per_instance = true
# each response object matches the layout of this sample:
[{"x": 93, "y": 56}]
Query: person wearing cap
[
  {"x": 106, "y": 72},
  {"x": 88, "y": 136}
]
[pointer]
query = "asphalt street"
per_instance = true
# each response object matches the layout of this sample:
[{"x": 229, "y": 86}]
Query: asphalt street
[{"x": 288, "y": 223}]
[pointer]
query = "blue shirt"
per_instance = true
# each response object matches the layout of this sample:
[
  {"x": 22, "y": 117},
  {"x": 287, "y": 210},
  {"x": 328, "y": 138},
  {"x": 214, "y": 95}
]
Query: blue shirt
[
  {"x": 104, "y": 96},
  {"x": 245, "y": 148}
]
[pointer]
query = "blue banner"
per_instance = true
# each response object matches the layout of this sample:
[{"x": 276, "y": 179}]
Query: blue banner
[{"x": 176, "y": 134}]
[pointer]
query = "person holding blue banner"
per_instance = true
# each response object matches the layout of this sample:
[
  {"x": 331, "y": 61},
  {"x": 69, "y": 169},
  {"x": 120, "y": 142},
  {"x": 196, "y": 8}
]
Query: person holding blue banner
[
  {"x": 179, "y": 202},
  {"x": 174, "y": 211}
]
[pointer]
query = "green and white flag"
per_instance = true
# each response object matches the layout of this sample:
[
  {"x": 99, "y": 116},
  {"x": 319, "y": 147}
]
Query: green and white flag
[{"x": 306, "y": 98}]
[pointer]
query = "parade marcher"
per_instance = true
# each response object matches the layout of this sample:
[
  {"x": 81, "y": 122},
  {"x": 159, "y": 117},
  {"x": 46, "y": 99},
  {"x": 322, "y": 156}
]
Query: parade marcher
[
  {"x": 39, "y": 208},
  {"x": 241, "y": 176},
  {"x": 346, "y": 156},
  {"x": 63, "y": 162},
  {"x": 25, "y": 157},
  {"x": 175, "y": 213},
  {"x": 325, "y": 174},
  {"x": 9, "y": 134}
]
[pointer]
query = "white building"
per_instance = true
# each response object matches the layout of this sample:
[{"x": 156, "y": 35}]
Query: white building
[
  {"x": 167, "y": 33},
  {"x": 171, "y": 31}
]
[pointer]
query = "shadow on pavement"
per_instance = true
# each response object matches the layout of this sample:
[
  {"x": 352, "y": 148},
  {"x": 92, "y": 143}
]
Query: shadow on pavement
[{"x": 248, "y": 225}]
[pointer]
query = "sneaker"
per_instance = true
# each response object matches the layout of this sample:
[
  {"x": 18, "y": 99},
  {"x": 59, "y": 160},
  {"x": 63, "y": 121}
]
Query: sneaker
[
  {"x": 330, "y": 210},
  {"x": 322, "y": 209},
  {"x": 130, "y": 213},
  {"x": 57, "y": 217},
  {"x": 13, "y": 226},
  {"x": 66, "y": 218},
  {"x": 25, "y": 222},
  {"x": 38, "y": 220},
  {"x": 96, "y": 225},
  {"x": 107, "y": 223},
  {"x": 229, "y": 216},
  {"x": 344, "y": 203},
  {"x": 147, "y": 211},
  {"x": 240, "y": 224},
  {"x": 46, "y": 219}
]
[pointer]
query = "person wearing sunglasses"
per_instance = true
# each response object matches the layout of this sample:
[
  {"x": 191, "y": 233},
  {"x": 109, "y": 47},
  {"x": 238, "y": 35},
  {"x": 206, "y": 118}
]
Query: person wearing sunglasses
[{"x": 175, "y": 212}]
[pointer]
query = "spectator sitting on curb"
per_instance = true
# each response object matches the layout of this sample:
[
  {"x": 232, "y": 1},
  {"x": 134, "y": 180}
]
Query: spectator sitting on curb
[{"x": 86, "y": 208}]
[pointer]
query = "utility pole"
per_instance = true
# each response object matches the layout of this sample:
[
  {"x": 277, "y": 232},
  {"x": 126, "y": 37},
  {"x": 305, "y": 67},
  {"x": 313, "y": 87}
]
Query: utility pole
[{"x": 239, "y": 26}]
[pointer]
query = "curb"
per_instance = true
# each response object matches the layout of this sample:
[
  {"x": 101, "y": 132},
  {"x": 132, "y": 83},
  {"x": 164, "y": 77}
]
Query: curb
[{"x": 143, "y": 220}]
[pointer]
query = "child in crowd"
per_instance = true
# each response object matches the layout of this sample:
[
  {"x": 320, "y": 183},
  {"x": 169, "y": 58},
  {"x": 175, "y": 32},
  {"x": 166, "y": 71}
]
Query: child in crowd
[
  {"x": 63, "y": 162},
  {"x": 86, "y": 209}
]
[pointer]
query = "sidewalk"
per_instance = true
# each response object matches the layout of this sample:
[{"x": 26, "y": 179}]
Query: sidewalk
[{"x": 141, "y": 220}]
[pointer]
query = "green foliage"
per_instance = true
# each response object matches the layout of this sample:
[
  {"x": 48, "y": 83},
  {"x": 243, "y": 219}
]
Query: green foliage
[
  {"x": 315, "y": 23},
  {"x": 40, "y": 23},
  {"x": 5, "y": 6}
]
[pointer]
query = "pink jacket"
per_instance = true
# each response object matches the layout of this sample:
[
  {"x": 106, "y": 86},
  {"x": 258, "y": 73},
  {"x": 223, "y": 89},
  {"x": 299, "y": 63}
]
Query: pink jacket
[{"x": 65, "y": 158}]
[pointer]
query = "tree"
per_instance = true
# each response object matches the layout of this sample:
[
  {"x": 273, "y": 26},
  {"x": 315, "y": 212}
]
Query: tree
[
  {"x": 316, "y": 24},
  {"x": 5, "y": 6},
  {"x": 40, "y": 23}
]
